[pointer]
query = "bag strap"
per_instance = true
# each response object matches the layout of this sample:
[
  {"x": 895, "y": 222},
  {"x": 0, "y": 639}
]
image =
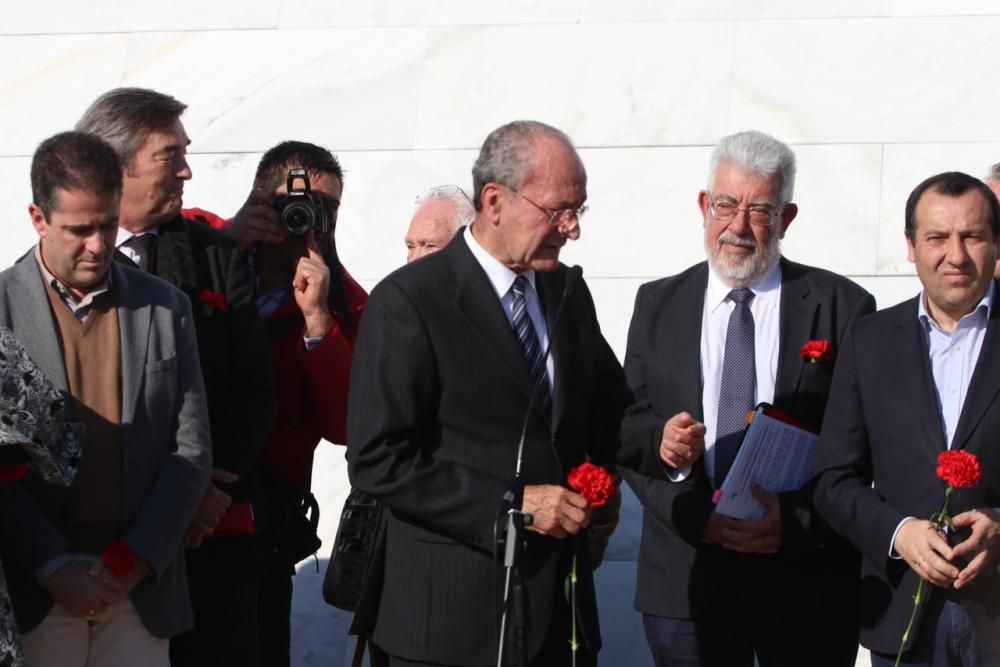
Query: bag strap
[{"x": 359, "y": 650}]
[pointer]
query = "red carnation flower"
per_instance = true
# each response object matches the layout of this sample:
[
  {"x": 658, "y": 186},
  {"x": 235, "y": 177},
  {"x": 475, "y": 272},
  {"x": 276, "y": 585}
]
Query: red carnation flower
[
  {"x": 214, "y": 300},
  {"x": 817, "y": 350},
  {"x": 119, "y": 559},
  {"x": 12, "y": 473},
  {"x": 592, "y": 482},
  {"x": 959, "y": 469}
]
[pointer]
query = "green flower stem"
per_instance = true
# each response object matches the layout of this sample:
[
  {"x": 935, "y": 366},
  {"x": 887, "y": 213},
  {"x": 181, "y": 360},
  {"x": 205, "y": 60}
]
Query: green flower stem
[
  {"x": 938, "y": 520},
  {"x": 574, "y": 645}
]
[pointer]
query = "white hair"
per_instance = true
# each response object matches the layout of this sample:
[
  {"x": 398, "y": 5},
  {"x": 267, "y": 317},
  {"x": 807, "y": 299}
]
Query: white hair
[
  {"x": 464, "y": 212},
  {"x": 757, "y": 153}
]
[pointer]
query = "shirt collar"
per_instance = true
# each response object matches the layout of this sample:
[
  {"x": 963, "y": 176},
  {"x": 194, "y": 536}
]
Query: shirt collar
[
  {"x": 981, "y": 313},
  {"x": 100, "y": 288},
  {"x": 765, "y": 289},
  {"x": 124, "y": 235},
  {"x": 500, "y": 276}
]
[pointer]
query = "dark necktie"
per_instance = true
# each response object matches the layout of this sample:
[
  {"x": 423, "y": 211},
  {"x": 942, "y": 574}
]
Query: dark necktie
[
  {"x": 529, "y": 341},
  {"x": 142, "y": 246},
  {"x": 739, "y": 383}
]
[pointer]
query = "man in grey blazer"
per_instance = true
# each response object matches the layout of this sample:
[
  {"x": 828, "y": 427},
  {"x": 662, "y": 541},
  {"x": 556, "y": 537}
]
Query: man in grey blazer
[{"x": 121, "y": 345}]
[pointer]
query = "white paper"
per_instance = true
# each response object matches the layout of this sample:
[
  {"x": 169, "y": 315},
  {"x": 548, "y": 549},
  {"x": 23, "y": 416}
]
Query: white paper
[{"x": 775, "y": 455}]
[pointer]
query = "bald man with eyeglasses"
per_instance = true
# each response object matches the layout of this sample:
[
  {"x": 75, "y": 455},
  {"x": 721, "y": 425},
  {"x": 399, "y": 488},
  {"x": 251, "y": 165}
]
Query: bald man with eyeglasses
[{"x": 704, "y": 347}]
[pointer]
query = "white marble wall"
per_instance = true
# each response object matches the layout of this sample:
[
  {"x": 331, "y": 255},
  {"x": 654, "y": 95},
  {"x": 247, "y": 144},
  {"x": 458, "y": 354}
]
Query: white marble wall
[{"x": 874, "y": 95}]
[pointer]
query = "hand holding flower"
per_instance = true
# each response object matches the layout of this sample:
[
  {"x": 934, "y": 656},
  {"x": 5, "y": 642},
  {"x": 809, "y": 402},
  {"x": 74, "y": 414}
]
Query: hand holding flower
[
  {"x": 119, "y": 568},
  {"x": 555, "y": 510},
  {"x": 924, "y": 548},
  {"x": 981, "y": 547}
]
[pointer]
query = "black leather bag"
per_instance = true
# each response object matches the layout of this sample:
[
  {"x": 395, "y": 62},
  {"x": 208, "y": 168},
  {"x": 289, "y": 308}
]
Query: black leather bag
[{"x": 359, "y": 538}]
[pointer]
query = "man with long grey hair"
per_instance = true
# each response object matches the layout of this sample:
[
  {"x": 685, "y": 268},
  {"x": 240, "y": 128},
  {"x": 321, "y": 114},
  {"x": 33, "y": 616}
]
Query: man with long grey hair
[{"x": 704, "y": 347}]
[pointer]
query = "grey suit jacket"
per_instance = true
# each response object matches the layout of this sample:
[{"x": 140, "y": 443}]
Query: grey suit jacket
[{"x": 165, "y": 442}]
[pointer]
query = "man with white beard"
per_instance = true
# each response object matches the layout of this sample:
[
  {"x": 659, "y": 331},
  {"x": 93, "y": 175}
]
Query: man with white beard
[{"x": 704, "y": 347}]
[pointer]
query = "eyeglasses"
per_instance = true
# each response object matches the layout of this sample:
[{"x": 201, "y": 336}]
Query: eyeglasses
[
  {"x": 724, "y": 210},
  {"x": 556, "y": 216}
]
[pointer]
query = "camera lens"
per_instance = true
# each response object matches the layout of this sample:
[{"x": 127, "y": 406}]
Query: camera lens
[{"x": 297, "y": 218}]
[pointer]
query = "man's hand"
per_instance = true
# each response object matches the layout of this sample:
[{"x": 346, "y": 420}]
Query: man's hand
[
  {"x": 121, "y": 586},
  {"x": 603, "y": 522},
  {"x": 744, "y": 536},
  {"x": 78, "y": 592},
  {"x": 213, "y": 507},
  {"x": 256, "y": 221},
  {"x": 556, "y": 511},
  {"x": 311, "y": 288},
  {"x": 683, "y": 441},
  {"x": 981, "y": 547},
  {"x": 926, "y": 550}
]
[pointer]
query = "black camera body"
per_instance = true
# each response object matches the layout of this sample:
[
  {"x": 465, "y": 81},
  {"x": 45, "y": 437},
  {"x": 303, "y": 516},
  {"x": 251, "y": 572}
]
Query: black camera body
[{"x": 300, "y": 210}]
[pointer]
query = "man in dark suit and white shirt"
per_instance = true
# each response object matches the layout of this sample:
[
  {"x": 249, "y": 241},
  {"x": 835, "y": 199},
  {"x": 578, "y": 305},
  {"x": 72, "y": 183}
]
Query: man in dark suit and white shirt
[
  {"x": 226, "y": 551},
  {"x": 440, "y": 386},
  {"x": 122, "y": 346},
  {"x": 704, "y": 347},
  {"x": 914, "y": 381}
]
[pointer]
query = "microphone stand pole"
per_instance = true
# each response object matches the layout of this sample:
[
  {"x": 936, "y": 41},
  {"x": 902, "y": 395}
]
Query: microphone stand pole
[{"x": 517, "y": 520}]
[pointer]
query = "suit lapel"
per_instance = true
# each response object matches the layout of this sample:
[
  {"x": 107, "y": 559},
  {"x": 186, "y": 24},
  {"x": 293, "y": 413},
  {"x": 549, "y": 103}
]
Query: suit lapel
[
  {"x": 33, "y": 322},
  {"x": 478, "y": 303},
  {"x": 679, "y": 353},
  {"x": 984, "y": 385},
  {"x": 913, "y": 367},
  {"x": 797, "y": 324},
  {"x": 134, "y": 314},
  {"x": 174, "y": 258},
  {"x": 562, "y": 338}
]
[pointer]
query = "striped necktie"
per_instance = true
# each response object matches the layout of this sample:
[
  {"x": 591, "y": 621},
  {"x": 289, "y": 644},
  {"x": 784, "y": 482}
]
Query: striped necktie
[{"x": 527, "y": 337}]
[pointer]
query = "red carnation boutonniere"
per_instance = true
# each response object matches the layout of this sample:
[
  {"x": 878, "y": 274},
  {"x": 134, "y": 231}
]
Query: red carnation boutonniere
[
  {"x": 596, "y": 485},
  {"x": 213, "y": 301},
  {"x": 119, "y": 559},
  {"x": 958, "y": 470},
  {"x": 816, "y": 351}
]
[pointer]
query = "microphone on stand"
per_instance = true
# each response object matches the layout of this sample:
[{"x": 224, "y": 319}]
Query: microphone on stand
[{"x": 513, "y": 500}]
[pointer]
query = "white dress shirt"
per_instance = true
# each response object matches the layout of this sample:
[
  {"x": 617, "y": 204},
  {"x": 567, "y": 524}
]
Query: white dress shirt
[
  {"x": 766, "y": 311},
  {"x": 953, "y": 358},
  {"x": 502, "y": 279},
  {"x": 124, "y": 235}
]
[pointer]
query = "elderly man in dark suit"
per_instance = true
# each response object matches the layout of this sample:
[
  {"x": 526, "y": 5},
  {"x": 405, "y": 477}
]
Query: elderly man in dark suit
[
  {"x": 121, "y": 345},
  {"x": 914, "y": 381},
  {"x": 704, "y": 347},
  {"x": 449, "y": 354},
  {"x": 226, "y": 549}
]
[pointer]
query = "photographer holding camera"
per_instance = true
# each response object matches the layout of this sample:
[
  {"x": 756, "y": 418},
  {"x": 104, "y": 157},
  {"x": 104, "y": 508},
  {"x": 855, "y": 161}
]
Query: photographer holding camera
[{"x": 310, "y": 307}]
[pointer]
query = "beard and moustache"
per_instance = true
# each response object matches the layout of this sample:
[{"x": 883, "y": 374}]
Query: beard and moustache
[{"x": 746, "y": 270}]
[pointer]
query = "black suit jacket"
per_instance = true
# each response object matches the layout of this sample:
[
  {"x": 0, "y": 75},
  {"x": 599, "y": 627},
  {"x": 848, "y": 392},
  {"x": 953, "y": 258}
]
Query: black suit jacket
[
  {"x": 883, "y": 425},
  {"x": 679, "y": 576},
  {"x": 235, "y": 358},
  {"x": 439, "y": 389}
]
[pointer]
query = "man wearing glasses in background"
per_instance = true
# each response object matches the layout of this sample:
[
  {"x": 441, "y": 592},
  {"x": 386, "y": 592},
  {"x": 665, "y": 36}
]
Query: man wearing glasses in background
[{"x": 704, "y": 347}]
